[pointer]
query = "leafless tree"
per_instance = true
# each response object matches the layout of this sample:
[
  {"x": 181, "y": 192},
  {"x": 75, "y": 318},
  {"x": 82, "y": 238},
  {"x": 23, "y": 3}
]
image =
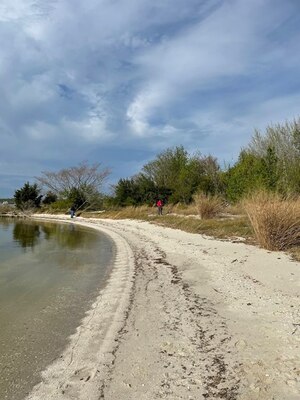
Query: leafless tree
[{"x": 85, "y": 179}]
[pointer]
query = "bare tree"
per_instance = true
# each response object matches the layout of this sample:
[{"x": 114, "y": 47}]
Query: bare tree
[{"x": 84, "y": 180}]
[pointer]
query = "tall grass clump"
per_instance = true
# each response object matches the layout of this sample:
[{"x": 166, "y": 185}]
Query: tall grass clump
[
  {"x": 274, "y": 219},
  {"x": 208, "y": 206}
]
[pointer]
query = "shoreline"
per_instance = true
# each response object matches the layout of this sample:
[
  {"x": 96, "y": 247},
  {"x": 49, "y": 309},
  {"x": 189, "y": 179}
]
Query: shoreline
[
  {"x": 183, "y": 317},
  {"x": 75, "y": 373}
]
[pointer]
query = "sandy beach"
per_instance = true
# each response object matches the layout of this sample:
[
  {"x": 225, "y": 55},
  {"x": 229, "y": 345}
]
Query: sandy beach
[{"x": 183, "y": 316}]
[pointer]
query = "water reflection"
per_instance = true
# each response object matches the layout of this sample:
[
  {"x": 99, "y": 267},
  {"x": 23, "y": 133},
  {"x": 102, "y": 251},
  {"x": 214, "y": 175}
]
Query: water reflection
[
  {"x": 5, "y": 223},
  {"x": 44, "y": 294},
  {"x": 67, "y": 235},
  {"x": 28, "y": 234}
]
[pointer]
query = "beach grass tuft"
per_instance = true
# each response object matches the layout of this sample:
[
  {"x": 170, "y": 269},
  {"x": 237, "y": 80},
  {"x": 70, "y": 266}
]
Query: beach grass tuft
[
  {"x": 208, "y": 206},
  {"x": 275, "y": 220}
]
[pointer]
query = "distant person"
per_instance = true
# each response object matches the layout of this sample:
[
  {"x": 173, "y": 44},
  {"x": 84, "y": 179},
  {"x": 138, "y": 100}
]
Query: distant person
[
  {"x": 159, "y": 205},
  {"x": 72, "y": 211}
]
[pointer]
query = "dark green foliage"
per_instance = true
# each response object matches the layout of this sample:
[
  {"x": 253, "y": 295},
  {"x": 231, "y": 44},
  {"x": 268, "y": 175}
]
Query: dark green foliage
[
  {"x": 76, "y": 198},
  {"x": 173, "y": 176},
  {"x": 206, "y": 175},
  {"x": 26, "y": 233},
  {"x": 145, "y": 190},
  {"x": 49, "y": 198},
  {"x": 61, "y": 205},
  {"x": 243, "y": 177},
  {"x": 138, "y": 190},
  {"x": 250, "y": 173},
  {"x": 269, "y": 169},
  {"x": 124, "y": 192},
  {"x": 28, "y": 196},
  {"x": 279, "y": 146},
  {"x": 181, "y": 175},
  {"x": 169, "y": 172}
]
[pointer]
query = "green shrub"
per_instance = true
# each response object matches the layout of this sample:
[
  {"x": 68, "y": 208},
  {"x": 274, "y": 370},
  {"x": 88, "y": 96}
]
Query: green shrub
[{"x": 60, "y": 205}]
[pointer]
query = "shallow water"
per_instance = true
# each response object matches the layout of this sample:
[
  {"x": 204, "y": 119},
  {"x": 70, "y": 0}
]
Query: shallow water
[{"x": 50, "y": 274}]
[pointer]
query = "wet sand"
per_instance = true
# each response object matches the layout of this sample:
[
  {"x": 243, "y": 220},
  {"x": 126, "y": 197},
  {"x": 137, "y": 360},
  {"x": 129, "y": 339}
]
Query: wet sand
[{"x": 184, "y": 316}]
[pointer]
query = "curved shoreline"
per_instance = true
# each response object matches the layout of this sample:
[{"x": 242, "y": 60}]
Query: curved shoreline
[
  {"x": 76, "y": 374},
  {"x": 194, "y": 318}
]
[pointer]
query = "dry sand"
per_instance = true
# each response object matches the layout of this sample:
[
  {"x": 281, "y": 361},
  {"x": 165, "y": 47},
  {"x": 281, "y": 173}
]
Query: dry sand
[{"x": 184, "y": 317}]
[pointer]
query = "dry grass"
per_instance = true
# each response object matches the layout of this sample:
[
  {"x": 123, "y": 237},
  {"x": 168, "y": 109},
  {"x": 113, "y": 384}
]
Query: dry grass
[
  {"x": 233, "y": 223},
  {"x": 7, "y": 209},
  {"x": 181, "y": 209},
  {"x": 275, "y": 221},
  {"x": 237, "y": 230},
  {"x": 219, "y": 228},
  {"x": 236, "y": 209},
  {"x": 208, "y": 206},
  {"x": 141, "y": 212}
]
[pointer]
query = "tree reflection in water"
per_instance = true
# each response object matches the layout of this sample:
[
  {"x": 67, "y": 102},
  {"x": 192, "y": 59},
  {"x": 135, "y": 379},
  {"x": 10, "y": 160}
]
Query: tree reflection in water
[
  {"x": 67, "y": 236},
  {"x": 50, "y": 274},
  {"x": 27, "y": 233},
  {"x": 6, "y": 222}
]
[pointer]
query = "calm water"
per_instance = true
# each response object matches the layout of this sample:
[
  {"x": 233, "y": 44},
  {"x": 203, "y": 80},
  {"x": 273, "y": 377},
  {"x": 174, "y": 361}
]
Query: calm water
[{"x": 50, "y": 275}]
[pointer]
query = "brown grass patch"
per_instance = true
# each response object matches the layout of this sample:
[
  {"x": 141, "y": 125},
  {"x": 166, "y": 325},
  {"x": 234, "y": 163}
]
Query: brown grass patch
[
  {"x": 275, "y": 221},
  {"x": 208, "y": 206},
  {"x": 219, "y": 228}
]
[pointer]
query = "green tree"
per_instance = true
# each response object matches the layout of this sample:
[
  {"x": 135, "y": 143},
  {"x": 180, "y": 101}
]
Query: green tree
[
  {"x": 181, "y": 175},
  {"x": 49, "y": 198},
  {"x": 207, "y": 175},
  {"x": 136, "y": 191},
  {"x": 283, "y": 141},
  {"x": 171, "y": 174},
  {"x": 166, "y": 168},
  {"x": 28, "y": 196},
  {"x": 244, "y": 176},
  {"x": 269, "y": 164},
  {"x": 124, "y": 192}
]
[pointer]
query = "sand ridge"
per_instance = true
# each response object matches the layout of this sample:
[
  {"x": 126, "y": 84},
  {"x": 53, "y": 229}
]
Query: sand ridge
[{"x": 184, "y": 317}]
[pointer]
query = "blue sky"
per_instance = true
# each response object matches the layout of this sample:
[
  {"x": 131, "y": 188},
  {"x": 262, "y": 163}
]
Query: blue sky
[{"x": 118, "y": 81}]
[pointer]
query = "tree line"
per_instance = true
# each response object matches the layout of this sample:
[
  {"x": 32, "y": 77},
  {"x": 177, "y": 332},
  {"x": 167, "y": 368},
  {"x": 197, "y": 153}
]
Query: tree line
[
  {"x": 271, "y": 161},
  {"x": 78, "y": 187}
]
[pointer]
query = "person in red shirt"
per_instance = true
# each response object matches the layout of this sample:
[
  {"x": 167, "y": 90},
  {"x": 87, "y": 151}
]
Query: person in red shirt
[{"x": 159, "y": 205}]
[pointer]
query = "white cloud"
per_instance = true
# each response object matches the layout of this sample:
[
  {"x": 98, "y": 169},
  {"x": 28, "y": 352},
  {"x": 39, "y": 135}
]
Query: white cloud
[
  {"x": 16, "y": 10},
  {"x": 92, "y": 129},
  {"x": 41, "y": 131},
  {"x": 143, "y": 106},
  {"x": 230, "y": 43}
]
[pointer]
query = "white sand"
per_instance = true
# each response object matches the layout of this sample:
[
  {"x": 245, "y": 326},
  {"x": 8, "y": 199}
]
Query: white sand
[{"x": 184, "y": 317}]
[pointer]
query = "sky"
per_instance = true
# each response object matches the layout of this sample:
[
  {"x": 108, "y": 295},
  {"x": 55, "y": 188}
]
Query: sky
[{"x": 120, "y": 81}]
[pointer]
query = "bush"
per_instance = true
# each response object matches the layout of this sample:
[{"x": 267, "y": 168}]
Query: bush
[
  {"x": 208, "y": 206},
  {"x": 49, "y": 198},
  {"x": 274, "y": 219},
  {"x": 60, "y": 205},
  {"x": 28, "y": 197}
]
